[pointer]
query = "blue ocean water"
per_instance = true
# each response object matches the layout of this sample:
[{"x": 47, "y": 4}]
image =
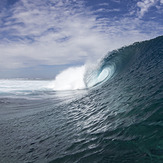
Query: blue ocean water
[{"x": 114, "y": 114}]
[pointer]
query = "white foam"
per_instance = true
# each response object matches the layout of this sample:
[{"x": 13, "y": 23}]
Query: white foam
[
  {"x": 80, "y": 77},
  {"x": 69, "y": 79},
  {"x": 12, "y": 85}
]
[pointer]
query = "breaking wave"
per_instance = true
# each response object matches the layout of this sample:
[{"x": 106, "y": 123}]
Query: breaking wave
[{"x": 116, "y": 117}]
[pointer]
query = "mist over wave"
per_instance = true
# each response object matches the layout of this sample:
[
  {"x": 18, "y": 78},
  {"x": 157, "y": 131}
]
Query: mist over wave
[{"x": 69, "y": 79}]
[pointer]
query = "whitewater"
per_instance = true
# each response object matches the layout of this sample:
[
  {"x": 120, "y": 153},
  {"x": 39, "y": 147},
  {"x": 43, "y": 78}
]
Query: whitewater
[
  {"x": 74, "y": 78},
  {"x": 106, "y": 112}
]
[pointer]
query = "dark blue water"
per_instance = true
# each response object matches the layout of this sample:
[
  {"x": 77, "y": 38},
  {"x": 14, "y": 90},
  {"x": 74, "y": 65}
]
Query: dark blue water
[{"x": 117, "y": 121}]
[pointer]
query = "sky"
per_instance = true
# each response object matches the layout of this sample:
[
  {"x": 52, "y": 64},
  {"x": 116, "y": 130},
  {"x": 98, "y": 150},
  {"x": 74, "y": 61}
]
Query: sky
[{"x": 40, "y": 38}]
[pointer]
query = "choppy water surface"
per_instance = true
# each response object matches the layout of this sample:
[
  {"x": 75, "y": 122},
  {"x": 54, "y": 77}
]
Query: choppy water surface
[{"x": 117, "y": 116}]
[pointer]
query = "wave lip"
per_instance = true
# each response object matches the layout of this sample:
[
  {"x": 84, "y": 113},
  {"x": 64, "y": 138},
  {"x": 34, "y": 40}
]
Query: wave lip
[
  {"x": 95, "y": 77},
  {"x": 99, "y": 75}
]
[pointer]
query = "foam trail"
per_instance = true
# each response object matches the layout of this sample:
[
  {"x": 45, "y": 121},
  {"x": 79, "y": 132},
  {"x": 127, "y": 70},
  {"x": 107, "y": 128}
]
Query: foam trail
[
  {"x": 69, "y": 79},
  {"x": 20, "y": 86}
]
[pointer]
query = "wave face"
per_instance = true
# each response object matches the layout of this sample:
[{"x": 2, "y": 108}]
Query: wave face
[{"x": 115, "y": 117}]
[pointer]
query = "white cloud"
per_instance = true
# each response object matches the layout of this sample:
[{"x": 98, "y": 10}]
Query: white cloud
[
  {"x": 62, "y": 32},
  {"x": 117, "y": 1},
  {"x": 144, "y": 6}
]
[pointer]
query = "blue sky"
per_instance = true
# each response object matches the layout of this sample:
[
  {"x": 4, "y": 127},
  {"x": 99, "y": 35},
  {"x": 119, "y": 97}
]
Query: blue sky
[{"x": 40, "y": 38}]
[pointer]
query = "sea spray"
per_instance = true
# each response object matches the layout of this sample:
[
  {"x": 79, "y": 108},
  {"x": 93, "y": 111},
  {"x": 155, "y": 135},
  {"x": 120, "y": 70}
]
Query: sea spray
[
  {"x": 82, "y": 77},
  {"x": 69, "y": 79}
]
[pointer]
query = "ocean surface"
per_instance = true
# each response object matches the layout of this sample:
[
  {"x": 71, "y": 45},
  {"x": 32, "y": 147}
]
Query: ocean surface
[{"x": 111, "y": 112}]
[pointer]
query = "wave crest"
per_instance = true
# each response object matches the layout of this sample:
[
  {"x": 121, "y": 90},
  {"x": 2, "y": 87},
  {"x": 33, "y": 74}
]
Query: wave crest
[
  {"x": 81, "y": 77},
  {"x": 69, "y": 79}
]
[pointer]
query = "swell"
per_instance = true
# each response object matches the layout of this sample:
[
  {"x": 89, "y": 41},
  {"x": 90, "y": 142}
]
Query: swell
[
  {"x": 121, "y": 119},
  {"x": 133, "y": 58}
]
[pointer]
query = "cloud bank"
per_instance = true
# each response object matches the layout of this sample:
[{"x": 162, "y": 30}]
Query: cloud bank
[{"x": 64, "y": 32}]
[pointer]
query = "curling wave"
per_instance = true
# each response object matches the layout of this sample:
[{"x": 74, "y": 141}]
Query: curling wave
[
  {"x": 80, "y": 77},
  {"x": 88, "y": 76},
  {"x": 85, "y": 76}
]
